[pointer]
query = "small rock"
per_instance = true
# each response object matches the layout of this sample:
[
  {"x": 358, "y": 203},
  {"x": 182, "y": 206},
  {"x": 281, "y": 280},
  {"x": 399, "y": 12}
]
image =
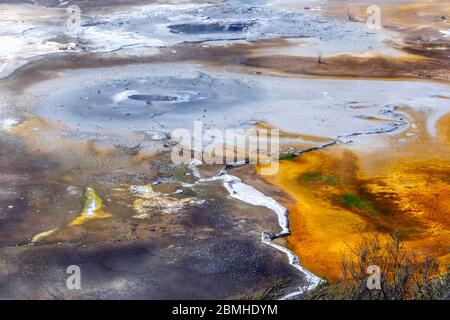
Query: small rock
[{"x": 155, "y": 135}]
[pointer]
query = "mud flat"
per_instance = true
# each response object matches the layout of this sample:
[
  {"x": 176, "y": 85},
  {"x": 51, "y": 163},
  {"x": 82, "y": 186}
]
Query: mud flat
[
  {"x": 86, "y": 118},
  {"x": 175, "y": 255},
  {"x": 123, "y": 103},
  {"x": 363, "y": 121},
  {"x": 42, "y": 30}
]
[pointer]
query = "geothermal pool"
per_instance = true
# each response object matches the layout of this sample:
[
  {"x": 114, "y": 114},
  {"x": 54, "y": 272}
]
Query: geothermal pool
[{"x": 89, "y": 104}]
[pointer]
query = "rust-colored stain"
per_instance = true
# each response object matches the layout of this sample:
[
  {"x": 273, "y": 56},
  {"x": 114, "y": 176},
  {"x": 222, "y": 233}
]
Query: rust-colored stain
[{"x": 341, "y": 193}]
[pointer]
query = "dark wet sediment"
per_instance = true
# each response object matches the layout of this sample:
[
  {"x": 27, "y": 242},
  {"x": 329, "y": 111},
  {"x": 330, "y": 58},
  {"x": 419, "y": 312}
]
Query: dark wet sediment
[{"x": 178, "y": 256}]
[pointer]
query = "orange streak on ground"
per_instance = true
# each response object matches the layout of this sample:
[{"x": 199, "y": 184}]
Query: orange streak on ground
[
  {"x": 413, "y": 15},
  {"x": 341, "y": 193}
]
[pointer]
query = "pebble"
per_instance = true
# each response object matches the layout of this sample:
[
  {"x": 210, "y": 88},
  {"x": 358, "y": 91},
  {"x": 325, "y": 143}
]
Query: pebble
[{"x": 155, "y": 135}]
